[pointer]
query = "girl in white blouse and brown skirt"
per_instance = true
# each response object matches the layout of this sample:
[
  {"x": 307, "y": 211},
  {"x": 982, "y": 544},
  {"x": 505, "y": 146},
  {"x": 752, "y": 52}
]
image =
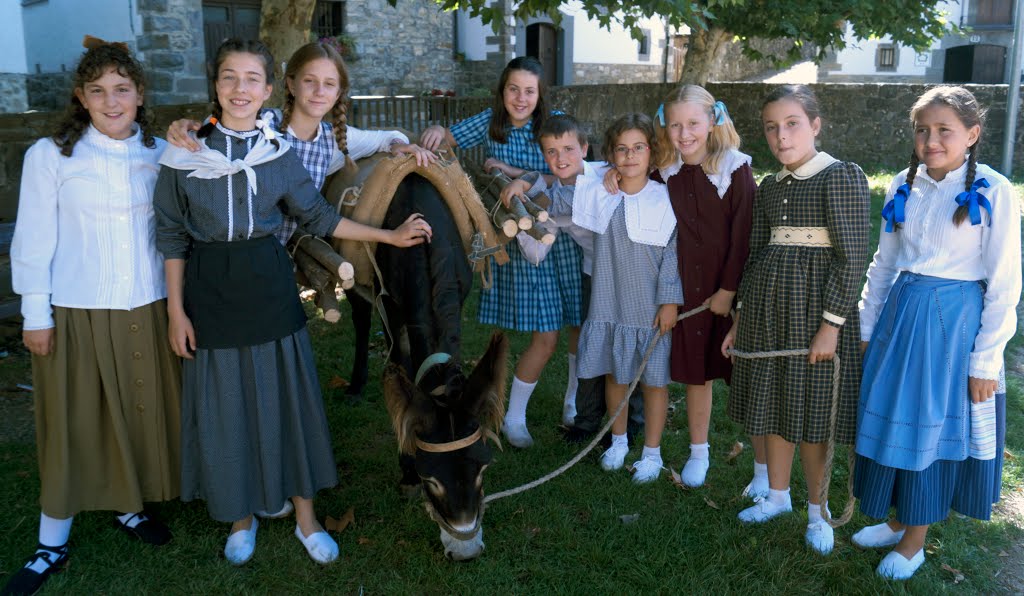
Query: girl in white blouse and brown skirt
[{"x": 106, "y": 384}]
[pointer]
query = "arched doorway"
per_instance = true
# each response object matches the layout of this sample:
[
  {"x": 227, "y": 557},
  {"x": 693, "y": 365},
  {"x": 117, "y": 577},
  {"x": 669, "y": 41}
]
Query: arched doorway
[{"x": 542, "y": 44}]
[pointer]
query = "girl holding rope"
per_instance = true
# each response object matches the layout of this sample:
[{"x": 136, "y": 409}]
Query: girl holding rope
[
  {"x": 938, "y": 310},
  {"x": 808, "y": 251}
]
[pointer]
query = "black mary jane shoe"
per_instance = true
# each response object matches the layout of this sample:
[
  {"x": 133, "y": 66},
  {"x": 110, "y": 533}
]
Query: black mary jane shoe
[
  {"x": 149, "y": 530},
  {"x": 27, "y": 581}
]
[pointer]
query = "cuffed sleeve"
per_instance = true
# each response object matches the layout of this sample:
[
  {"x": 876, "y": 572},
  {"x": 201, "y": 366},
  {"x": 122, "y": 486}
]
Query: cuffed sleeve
[
  {"x": 363, "y": 143},
  {"x": 740, "y": 195},
  {"x": 35, "y": 233},
  {"x": 670, "y": 288},
  {"x": 170, "y": 204},
  {"x": 847, "y": 205}
]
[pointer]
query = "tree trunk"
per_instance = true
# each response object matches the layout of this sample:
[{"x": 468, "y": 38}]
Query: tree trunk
[
  {"x": 707, "y": 47},
  {"x": 284, "y": 27}
]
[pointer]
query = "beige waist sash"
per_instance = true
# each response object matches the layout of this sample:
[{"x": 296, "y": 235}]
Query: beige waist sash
[{"x": 791, "y": 236}]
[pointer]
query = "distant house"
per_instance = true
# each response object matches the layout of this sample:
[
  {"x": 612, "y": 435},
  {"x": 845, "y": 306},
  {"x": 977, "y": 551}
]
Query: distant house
[{"x": 979, "y": 56}]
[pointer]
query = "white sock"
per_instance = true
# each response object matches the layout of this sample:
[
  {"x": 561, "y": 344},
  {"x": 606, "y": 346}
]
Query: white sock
[
  {"x": 760, "y": 471},
  {"x": 651, "y": 453},
  {"x": 518, "y": 397},
  {"x": 814, "y": 513},
  {"x": 700, "y": 451},
  {"x": 620, "y": 441},
  {"x": 573, "y": 382},
  {"x": 54, "y": 533},
  {"x": 131, "y": 519},
  {"x": 778, "y": 497}
]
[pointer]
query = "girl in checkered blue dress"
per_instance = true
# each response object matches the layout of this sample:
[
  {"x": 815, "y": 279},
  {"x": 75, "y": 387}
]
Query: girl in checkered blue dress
[
  {"x": 938, "y": 310},
  {"x": 808, "y": 252},
  {"x": 540, "y": 298}
]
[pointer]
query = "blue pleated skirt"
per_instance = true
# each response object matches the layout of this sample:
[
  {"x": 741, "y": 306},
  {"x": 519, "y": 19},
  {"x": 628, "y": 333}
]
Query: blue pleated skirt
[{"x": 969, "y": 487}]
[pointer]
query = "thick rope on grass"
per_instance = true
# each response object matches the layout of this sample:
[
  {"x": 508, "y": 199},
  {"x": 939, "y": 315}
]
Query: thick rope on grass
[{"x": 829, "y": 452}]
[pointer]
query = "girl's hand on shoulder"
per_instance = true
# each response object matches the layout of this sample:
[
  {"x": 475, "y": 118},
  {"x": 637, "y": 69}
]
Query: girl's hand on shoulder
[
  {"x": 514, "y": 188},
  {"x": 39, "y": 341},
  {"x": 424, "y": 157},
  {"x": 611, "y": 180},
  {"x": 823, "y": 346},
  {"x": 181, "y": 334},
  {"x": 720, "y": 302},
  {"x": 432, "y": 137},
  {"x": 665, "y": 320},
  {"x": 981, "y": 389},
  {"x": 730, "y": 339},
  {"x": 415, "y": 230},
  {"x": 177, "y": 134}
]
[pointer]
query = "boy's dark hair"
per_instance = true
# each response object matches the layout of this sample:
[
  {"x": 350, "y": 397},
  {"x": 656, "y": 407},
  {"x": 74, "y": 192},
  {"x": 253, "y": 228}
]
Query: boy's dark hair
[
  {"x": 99, "y": 58},
  {"x": 560, "y": 124},
  {"x": 232, "y": 46}
]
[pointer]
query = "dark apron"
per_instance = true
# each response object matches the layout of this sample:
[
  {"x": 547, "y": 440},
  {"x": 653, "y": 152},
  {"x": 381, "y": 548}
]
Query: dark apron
[{"x": 241, "y": 293}]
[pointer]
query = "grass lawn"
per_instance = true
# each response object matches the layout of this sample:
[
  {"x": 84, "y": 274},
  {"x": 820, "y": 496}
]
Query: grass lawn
[{"x": 564, "y": 537}]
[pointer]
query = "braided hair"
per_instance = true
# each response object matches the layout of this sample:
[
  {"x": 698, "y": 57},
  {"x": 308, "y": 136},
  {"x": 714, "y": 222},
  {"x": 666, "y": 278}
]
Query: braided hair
[
  {"x": 970, "y": 113},
  {"x": 100, "y": 58},
  {"x": 339, "y": 112},
  {"x": 233, "y": 46}
]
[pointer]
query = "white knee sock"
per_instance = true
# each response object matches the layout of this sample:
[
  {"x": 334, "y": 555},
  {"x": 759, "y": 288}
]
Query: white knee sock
[
  {"x": 701, "y": 451},
  {"x": 131, "y": 519},
  {"x": 760, "y": 471},
  {"x": 814, "y": 513},
  {"x": 573, "y": 382},
  {"x": 54, "y": 533},
  {"x": 778, "y": 497},
  {"x": 651, "y": 453},
  {"x": 620, "y": 440},
  {"x": 518, "y": 397}
]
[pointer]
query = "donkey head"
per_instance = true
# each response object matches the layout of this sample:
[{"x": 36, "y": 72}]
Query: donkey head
[{"x": 443, "y": 419}]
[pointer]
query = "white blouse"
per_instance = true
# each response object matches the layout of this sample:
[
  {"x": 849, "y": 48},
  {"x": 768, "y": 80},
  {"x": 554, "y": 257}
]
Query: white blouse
[
  {"x": 363, "y": 143},
  {"x": 85, "y": 234},
  {"x": 929, "y": 243}
]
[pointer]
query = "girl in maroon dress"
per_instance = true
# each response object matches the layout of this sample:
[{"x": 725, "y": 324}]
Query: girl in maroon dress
[{"x": 712, "y": 191}]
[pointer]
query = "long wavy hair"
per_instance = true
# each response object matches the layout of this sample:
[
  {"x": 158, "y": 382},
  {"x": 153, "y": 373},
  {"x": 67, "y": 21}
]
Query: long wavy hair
[
  {"x": 95, "y": 63},
  {"x": 499, "y": 115}
]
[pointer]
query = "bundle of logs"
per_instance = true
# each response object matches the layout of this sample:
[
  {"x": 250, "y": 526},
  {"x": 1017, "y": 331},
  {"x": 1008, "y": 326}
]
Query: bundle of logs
[
  {"x": 520, "y": 215},
  {"x": 321, "y": 269}
]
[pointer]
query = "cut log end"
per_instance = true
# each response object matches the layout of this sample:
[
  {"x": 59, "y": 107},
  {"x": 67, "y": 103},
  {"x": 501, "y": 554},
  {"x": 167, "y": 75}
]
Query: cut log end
[
  {"x": 346, "y": 271},
  {"x": 525, "y": 223},
  {"x": 510, "y": 228}
]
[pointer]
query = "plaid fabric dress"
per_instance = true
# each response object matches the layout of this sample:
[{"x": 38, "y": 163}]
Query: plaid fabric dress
[
  {"x": 524, "y": 296},
  {"x": 784, "y": 291}
]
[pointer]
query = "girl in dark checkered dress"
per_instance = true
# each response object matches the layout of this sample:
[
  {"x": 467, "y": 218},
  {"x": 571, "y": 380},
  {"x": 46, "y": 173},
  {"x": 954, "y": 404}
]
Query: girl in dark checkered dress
[
  {"x": 540, "y": 298},
  {"x": 939, "y": 307},
  {"x": 808, "y": 252}
]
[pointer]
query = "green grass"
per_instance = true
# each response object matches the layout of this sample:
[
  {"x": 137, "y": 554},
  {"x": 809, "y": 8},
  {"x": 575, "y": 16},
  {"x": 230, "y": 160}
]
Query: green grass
[{"x": 564, "y": 537}]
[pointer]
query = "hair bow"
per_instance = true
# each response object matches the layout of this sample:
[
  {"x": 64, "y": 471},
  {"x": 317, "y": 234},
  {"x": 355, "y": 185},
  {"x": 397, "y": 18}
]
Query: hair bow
[
  {"x": 975, "y": 201},
  {"x": 894, "y": 211},
  {"x": 91, "y": 43},
  {"x": 721, "y": 113},
  {"x": 660, "y": 114}
]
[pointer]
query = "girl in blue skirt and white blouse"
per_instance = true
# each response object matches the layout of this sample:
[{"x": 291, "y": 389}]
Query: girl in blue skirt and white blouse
[{"x": 938, "y": 309}]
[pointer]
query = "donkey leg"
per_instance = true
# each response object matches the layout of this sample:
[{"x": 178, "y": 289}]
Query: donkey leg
[{"x": 361, "y": 313}]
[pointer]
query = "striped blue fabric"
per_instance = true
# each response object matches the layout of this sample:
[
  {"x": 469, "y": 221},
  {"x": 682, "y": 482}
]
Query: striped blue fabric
[
  {"x": 969, "y": 487},
  {"x": 983, "y": 430},
  {"x": 519, "y": 150}
]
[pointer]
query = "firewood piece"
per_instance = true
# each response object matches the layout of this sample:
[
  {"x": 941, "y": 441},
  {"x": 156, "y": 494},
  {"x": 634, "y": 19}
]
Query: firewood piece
[
  {"x": 327, "y": 301},
  {"x": 325, "y": 254},
  {"x": 348, "y": 284},
  {"x": 541, "y": 235},
  {"x": 535, "y": 210},
  {"x": 317, "y": 276},
  {"x": 502, "y": 219},
  {"x": 301, "y": 279},
  {"x": 523, "y": 219}
]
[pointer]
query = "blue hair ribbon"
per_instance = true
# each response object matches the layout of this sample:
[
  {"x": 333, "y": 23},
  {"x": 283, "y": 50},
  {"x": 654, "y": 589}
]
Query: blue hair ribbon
[
  {"x": 975, "y": 201},
  {"x": 894, "y": 211},
  {"x": 660, "y": 114},
  {"x": 721, "y": 113}
]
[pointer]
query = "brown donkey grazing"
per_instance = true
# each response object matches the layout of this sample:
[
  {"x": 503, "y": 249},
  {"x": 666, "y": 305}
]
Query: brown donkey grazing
[{"x": 443, "y": 420}]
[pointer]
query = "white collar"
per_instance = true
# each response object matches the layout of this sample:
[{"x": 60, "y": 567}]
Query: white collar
[
  {"x": 209, "y": 163},
  {"x": 810, "y": 169},
  {"x": 956, "y": 176},
  {"x": 732, "y": 161},
  {"x": 652, "y": 224},
  {"x": 98, "y": 138}
]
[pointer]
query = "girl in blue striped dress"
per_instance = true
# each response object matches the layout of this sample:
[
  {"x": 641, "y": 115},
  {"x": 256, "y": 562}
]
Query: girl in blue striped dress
[{"x": 937, "y": 311}]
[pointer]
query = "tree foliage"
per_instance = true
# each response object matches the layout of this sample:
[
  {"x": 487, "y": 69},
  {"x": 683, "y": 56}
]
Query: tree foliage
[{"x": 913, "y": 23}]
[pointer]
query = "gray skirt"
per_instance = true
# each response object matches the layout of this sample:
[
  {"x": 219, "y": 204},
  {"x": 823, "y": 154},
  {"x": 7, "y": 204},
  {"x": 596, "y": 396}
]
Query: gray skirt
[{"x": 254, "y": 431}]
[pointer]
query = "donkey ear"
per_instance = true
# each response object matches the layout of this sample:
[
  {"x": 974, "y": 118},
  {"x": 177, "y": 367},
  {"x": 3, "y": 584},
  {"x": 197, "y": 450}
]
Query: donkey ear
[
  {"x": 400, "y": 396},
  {"x": 485, "y": 389}
]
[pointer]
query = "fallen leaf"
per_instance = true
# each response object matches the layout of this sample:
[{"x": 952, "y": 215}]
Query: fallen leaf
[
  {"x": 339, "y": 525},
  {"x": 337, "y": 382},
  {"x": 22, "y": 474},
  {"x": 982, "y": 547},
  {"x": 1008, "y": 455},
  {"x": 737, "y": 448},
  {"x": 676, "y": 478},
  {"x": 533, "y": 531},
  {"x": 629, "y": 518},
  {"x": 711, "y": 503},
  {"x": 958, "y": 576},
  {"x": 1003, "y": 553},
  {"x": 363, "y": 540}
]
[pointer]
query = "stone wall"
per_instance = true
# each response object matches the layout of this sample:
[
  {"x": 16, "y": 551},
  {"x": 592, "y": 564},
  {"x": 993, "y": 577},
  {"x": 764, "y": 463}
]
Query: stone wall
[
  {"x": 477, "y": 77},
  {"x": 403, "y": 50},
  {"x": 597, "y": 74},
  {"x": 13, "y": 93},
  {"x": 734, "y": 66},
  {"x": 49, "y": 91},
  {"x": 171, "y": 47}
]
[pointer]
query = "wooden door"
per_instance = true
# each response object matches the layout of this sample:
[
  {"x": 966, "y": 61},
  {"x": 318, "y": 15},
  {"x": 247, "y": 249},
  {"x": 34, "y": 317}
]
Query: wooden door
[{"x": 542, "y": 44}]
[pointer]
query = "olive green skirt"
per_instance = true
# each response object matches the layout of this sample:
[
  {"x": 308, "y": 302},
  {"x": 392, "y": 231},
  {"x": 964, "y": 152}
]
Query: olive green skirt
[{"x": 108, "y": 410}]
